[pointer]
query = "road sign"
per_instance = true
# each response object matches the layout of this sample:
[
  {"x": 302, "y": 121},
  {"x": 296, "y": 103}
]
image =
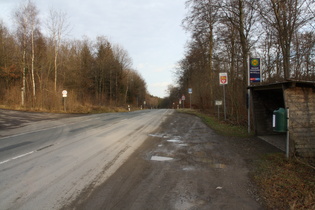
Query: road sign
[
  {"x": 64, "y": 93},
  {"x": 223, "y": 78},
  {"x": 183, "y": 97},
  {"x": 218, "y": 103},
  {"x": 190, "y": 90},
  {"x": 254, "y": 70}
]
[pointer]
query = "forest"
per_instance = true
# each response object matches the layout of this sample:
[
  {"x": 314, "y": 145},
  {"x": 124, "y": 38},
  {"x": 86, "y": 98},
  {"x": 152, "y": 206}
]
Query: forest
[
  {"x": 36, "y": 68},
  {"x": 226, "y": 33}
]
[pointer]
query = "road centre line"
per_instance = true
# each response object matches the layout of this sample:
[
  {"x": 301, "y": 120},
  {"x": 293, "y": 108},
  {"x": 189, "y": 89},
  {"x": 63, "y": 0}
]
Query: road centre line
[
  {"x": 29, "y": 153},
  {"x": 17, "y": 157}
]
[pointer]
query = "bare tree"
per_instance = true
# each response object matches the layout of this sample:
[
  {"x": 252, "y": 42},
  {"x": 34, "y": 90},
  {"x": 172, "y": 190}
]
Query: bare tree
[
  {"x": 125, "y": 63},
  {"x": 58, "y": 27},
  {"x": 27, "y": 21},
  {"x": 201, "y": 21},
  {"x": 241, "y": 15},
  {"x": 285, "y": 18},
  {"x": 97, "y": 73}
]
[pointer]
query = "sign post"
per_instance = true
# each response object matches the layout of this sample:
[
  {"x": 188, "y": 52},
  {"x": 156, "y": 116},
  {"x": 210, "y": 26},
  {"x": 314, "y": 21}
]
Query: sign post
[
  {"x": 254, "y": 75},
  {"x": 64, "y": 96},
  {"x": 254, "y": 70},
  {"x": 190, "y": 92},
  {"x": 183, "y": 99},
  {"x": 218, "y": 103},
  {"x": 223, "y": 77}
]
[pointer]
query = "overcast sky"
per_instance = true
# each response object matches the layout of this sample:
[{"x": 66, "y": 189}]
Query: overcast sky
[{"x": 150, "y": 30}]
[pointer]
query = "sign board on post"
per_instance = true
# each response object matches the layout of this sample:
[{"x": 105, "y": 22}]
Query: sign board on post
[
  {"x": 190, "y": 92},
  {"x": 64, "y": 96},
  {"x": 183, "y": 99},
  {"x": 64, "y": 93},
  {"x": 254, "y": 70},
  {"x": 223, "y": 78},
  {"x": 218, "y": 103}
]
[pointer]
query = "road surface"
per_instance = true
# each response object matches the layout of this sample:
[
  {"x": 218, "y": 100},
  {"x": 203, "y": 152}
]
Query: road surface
[
  {"x": 149, "y": 159},
  {"x": 46, "y": 164}
]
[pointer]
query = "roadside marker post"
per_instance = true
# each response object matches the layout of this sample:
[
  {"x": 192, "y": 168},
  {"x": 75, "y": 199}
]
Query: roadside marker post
[{"x": 64, "y": 96}]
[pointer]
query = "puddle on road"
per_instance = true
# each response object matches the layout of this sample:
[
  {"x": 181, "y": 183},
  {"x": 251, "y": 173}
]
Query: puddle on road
[
  {"x": 161, "y": 158},
  {"x": 174, "y": 140},
  {"x": 160, "y": 135},
  {"x": 188, "y": 168},
  {"x": 219, "y": 165},
  {"x": 157, "y": 135}
]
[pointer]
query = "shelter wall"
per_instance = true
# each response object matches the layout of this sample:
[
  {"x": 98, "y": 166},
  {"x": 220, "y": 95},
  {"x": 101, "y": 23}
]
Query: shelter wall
[{"x": 301, "y": 102}]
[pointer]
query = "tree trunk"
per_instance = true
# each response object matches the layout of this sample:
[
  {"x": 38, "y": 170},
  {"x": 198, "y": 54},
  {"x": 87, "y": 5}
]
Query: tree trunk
[{"x": 32, "y": 68}]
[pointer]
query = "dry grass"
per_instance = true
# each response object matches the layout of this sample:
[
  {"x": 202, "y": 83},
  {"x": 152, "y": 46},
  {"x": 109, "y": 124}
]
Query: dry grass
[
  {"x": 221, "y": 127},
  {"x": 285, "y": 184},
  {"x": 78, "y": 109}
]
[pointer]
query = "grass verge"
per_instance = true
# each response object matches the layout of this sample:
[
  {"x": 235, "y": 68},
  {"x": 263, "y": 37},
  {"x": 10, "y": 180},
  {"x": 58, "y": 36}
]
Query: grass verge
[
  {"x": 220, "y": 127},
  {"x": 285, "y": 184}
]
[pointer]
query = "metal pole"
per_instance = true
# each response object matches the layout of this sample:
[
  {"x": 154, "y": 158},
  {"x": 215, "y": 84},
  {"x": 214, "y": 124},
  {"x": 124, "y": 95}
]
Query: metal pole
[
  {"x": 288, "y": 135},
  {"x": 248, "y": 111},
  {"x": 190, "y": 100},
  {"x": 224, "y": 102},
  {"x": 248, "y": 92},
  {"x": 218, "y": 112},
  {"x": 64, "y": 103}
]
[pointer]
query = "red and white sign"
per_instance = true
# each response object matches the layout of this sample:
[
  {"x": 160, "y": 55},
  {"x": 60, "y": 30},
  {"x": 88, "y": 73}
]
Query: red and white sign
[
  {"x": 183, "y": 98},
  {"x": 223, "y": 78}
]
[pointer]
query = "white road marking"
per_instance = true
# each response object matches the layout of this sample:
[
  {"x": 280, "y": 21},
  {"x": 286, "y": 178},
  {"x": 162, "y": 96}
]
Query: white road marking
[{"x": 17, "y": 157}]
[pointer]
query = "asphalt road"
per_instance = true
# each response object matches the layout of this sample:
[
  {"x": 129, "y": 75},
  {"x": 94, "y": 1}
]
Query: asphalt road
[
  {"x": 183, "y": 165},
  {"x": 46, "y": 163}
]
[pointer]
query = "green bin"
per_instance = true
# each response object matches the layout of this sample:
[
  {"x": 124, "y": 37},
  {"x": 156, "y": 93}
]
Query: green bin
[{"x": 280, "y": 120}]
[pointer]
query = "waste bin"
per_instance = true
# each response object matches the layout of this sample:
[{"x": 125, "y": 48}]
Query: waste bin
[{"x": 279, "y": 123}]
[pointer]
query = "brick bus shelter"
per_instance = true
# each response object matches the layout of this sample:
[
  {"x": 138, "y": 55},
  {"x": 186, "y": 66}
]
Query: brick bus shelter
[{"x": 298, "y": 99}]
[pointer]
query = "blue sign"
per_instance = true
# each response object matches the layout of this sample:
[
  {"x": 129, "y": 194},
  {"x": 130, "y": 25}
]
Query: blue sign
[{"x": 254, "y": 70}]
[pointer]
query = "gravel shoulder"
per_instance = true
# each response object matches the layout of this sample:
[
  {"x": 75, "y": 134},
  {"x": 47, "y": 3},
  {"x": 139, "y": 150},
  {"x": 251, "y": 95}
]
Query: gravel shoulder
[{"x": 183, "y": 165}]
